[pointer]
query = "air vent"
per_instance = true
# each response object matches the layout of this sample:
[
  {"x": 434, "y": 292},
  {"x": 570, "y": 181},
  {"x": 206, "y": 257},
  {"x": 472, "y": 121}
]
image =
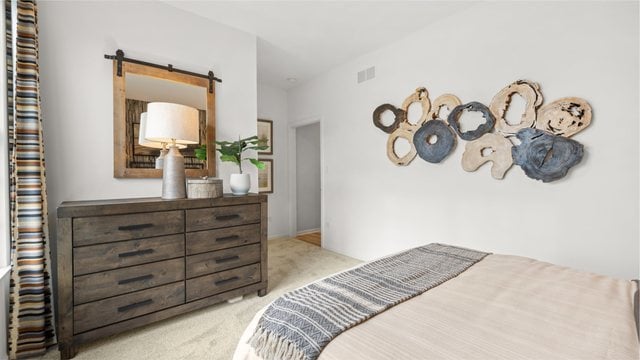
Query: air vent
[{"x": 366, "y": 74}]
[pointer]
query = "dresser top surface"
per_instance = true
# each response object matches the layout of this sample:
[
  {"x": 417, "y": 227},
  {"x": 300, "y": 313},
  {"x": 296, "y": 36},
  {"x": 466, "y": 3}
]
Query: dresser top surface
[{"x": 135, "y": 205}]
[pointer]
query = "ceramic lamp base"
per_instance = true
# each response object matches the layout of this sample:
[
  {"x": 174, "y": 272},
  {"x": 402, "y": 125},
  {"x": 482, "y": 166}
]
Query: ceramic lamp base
[
  {"x": 160, "y": 159},
  {"x": 240, "y": 184},
  {"x": 173, "y": 177}
]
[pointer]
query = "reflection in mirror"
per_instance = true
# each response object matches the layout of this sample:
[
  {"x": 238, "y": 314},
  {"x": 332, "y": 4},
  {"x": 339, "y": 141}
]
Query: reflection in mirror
[
  {"x": 135, "y": 85},
  {"x": 144, "y": 142},
  {"x": 141, "y": 90}
]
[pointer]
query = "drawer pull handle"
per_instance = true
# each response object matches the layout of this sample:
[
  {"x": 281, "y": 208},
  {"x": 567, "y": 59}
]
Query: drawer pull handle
[
  {"x": 228, "y": 238},
  {"x": 134, "y": 279},
  {"x": 136, "y": 253},
  {"x": 134, "y": 227},
  {"x": 226, "y": 281},
  {"x": 227, "y": 259},
  {"x": 227, "y": 217},
  {"x": 135, "y": 305}
]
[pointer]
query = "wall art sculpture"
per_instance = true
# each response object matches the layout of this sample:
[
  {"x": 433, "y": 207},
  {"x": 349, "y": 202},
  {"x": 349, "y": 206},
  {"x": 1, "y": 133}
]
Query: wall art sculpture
[
  {"x": 448, "y": 101},
  {"x": 434, "y": 141},
  {"x": 544, "y": 156},
  {"x": 530, "y": 91},
  {"x": 564, "y": 116},
  {"x": 406, "y": 130},
  {"x": 490, "y": 147},
  {"x": 487, "y": 126},
  {"x": 539, "y": 143},
  {"x": 399, "y": 116}
]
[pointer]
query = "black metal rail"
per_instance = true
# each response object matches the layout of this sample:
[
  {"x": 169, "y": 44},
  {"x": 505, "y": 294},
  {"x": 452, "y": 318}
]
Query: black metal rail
[{"x": 119, "y": 57}]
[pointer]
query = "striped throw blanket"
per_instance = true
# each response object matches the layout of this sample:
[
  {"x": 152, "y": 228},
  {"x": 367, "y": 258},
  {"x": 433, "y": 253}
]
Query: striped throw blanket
[{"x": 301, "y": 323}]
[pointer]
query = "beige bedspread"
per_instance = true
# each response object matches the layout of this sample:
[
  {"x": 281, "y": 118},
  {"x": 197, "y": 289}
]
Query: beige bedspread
[{"x": 504, "y": 307}]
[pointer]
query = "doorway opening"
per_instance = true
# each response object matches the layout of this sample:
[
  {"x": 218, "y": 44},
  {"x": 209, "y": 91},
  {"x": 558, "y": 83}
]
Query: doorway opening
[{"x": 308, "y": 179}]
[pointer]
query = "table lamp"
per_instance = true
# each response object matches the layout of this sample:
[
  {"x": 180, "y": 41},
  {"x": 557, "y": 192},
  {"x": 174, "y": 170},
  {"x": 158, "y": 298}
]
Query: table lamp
[
  {"x": 143, "y": 141},
  {"x": 173, "y": 124}
]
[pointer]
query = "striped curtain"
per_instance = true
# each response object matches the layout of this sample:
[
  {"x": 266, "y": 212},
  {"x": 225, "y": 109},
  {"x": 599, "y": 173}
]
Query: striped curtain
[{"x": 30, "y": 309}]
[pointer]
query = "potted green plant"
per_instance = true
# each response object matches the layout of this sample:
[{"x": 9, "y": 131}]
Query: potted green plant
[{"x": 231, "y": 151}]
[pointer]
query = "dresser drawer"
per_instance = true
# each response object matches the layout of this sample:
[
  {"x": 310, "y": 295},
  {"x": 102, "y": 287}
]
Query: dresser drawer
[
  {"x": 220, "y": 217},
  {"x": 215, "y": 261},
  {"x": 104, "y": 312},
  {"x": 105, "y": 284},
  {"x": 210, "y": 240},
  {"x": 223, "y": 281},
  {"x": 104, "y": 229},
  {"x": 90, "y": 259}
]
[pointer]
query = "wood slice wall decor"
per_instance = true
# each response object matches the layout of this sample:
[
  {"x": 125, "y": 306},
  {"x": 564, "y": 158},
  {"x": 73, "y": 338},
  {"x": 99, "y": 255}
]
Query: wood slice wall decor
[
  {"x": 434, "y": 141},
  {"x": 544, "y": 156},
  {"x": 448, "y": 101},
  {"x": 487, "y": 126},
  {"x": 398, "y": 114},
  {"x": 544, "y": 153},
  {"x": 530, "y": 91},
  {"x": 499, "y": 149},
  {"x": 406, "y": 130},
  {"x": 565, "y": 116},
  {"x": 421, "y": 95}
]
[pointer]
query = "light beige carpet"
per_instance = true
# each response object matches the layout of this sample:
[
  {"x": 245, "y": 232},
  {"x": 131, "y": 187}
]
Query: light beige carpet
[{"x": 213, "y": 332}]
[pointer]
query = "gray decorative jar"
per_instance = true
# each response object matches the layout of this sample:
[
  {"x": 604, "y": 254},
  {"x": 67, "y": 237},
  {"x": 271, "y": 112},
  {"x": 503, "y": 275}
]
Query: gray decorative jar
[{"x": 204, "y": 188}]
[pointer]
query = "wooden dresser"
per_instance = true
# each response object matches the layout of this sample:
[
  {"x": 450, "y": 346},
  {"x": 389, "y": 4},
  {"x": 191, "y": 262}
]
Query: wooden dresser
[{"x": 126, "y": 263}]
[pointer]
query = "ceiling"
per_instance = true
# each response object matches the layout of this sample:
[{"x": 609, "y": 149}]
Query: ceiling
[{"x": 301, "y": 39}]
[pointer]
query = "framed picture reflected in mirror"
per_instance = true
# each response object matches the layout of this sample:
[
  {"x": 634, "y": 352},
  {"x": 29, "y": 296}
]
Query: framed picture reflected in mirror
[
  {"x": 265, "y": 177},
  {"x": 265, "y": 131}
]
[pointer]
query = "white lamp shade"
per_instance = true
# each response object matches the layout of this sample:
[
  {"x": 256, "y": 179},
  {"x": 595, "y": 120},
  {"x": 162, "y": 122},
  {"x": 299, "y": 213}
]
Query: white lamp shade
[
  {"x": 167, "y": 122},
  {"x": 142, "y": 132}
]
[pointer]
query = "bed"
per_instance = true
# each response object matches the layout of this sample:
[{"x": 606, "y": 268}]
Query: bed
[{"x": 499, "y": 307}]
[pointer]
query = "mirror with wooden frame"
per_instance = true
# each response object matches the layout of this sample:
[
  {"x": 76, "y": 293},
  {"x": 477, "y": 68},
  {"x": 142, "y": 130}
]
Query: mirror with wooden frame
[{"x": 141, "y": 84}]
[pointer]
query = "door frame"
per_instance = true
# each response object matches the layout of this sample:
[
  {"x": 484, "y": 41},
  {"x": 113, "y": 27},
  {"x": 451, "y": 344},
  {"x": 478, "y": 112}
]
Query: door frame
[{"x": 293, "y": 186}]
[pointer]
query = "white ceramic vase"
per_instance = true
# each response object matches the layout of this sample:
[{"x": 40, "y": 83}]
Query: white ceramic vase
[{"x": 240, "y": 184}]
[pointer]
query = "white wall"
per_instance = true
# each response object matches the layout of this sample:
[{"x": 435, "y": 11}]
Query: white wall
[
  {"x": 272, "y": 105},
  {"x": 308, "y": 177},
  {"x": 77, "y": 96},
  {"x": 588, "y": 220}
]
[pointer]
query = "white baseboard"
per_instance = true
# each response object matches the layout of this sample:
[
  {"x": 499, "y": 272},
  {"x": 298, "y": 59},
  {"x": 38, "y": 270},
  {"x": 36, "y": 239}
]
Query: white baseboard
[
  {"x": 278, "y": 237},
  {"x": 304, "y": 232}
]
